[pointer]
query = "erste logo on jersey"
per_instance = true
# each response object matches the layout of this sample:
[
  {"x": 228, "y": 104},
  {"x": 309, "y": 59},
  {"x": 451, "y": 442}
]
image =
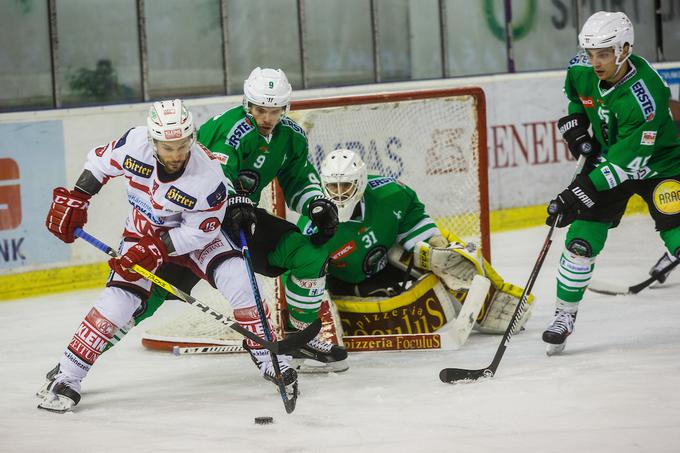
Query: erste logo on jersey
[
  {"x": 379, "y": 182},
  {"x": 136, "y": 167},
  {"x": 644, "y": 99},
  {"x": 237, "y": 132},
  {"x": 180, "y": 198}
]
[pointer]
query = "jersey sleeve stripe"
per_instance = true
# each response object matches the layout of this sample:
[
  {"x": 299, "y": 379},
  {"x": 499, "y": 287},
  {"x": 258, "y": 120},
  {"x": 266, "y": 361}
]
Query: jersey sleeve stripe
[
  {"x": 422, "y": 223},
  {"x": 425, "y": 235}
]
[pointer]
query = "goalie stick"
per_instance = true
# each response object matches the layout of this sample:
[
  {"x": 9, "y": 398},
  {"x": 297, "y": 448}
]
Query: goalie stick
[
  {"x": 452, "y": 375},
  {"x": 289, "y": 402},
  {"x": 283, "y": 346},
  {"x": 619, "y": 290}
]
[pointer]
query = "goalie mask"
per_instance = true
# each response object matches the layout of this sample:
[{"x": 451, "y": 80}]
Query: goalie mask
[
  {"x": 344, "y": 178},
  {"x": 267, "y": 88},
  {"x": 604, "y": 29}
]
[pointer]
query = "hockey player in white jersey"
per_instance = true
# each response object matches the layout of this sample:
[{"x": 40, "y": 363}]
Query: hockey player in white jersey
[{"x": 177, "y": 193}]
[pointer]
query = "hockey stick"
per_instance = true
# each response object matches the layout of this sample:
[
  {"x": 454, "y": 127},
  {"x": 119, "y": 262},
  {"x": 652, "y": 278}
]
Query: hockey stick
[
  {"x": 451, "y": 375},
  {"x": 618, "y": 290},
  {"x": 293, "y": 342},
  {"x": 288, "y": 402}
]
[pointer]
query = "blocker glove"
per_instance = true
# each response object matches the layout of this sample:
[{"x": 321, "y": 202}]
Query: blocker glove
[
  {"x": 324, "y": 216},
  {"x": 574, "y": 130},
  {"x": 149, "y": 253},
  {"x": 579, "y": 196},
  {"x": 68, "y": 211},
  {"x": 240, "y": 215}
]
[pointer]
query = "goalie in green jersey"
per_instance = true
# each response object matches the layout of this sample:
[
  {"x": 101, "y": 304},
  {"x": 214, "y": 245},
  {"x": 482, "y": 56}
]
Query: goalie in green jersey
[
  {"x": 383, "y": 227},
  {"x": 633, "y": 149}
]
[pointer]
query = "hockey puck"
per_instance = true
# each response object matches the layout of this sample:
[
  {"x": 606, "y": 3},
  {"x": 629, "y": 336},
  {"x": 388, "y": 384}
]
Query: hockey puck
[{"x": 264, "y": 420}]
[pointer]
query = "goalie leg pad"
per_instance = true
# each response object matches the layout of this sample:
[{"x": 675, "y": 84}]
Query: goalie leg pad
[
  {"x": 498, "y": 311},
  {"x": 455, "y": 265}
]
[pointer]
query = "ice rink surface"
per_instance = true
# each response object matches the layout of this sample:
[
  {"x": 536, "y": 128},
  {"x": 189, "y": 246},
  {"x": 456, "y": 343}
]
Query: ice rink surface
[{"x": 615, "y": 389}]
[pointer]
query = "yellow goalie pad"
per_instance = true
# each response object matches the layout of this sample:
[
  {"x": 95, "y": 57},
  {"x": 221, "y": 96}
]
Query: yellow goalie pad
[
  {"x": 425, "y": 307},
  {"x": 456, "y": 264}
]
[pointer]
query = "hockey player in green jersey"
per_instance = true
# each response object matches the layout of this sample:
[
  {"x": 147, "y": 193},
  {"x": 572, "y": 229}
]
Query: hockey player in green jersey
[
  {"x": 379, "y": 219},
  {"x": 633, "y": 149}
]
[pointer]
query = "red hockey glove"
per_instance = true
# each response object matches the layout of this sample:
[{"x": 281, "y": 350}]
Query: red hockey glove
[
  {"x": 68, "y": 211},
  {"x": 149, "y": 252}
]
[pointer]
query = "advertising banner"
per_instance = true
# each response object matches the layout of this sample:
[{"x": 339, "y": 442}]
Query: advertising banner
[{"x": 31, "y": 165}]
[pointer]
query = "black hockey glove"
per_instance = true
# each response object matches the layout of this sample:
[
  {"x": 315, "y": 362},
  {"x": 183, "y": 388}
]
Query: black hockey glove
[
  {"x": 240, "y": 215},
  {"x": 324, "y": 216},
  {"x": 578, "y": 196},
  {"x": 574, "y": 130}
]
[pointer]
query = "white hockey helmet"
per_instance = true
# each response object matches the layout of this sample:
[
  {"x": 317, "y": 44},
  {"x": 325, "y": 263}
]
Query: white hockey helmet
[
  {"x": 344, "y": 177},
  {"x": 604, "y": 29},
  {"x": 267, "y": 88},
  {"x": 169, "y": 121}
]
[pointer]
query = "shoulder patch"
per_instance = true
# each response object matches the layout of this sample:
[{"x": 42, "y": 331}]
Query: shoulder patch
[
  {"x": 287, "y": 122},
  {"x": 379, "y": 182},
  {"x": 121, "y": 141},
  {"x": 238, "y": 131},
  {"x": 218, "y": 196},
  {"x": 137, "y": 167},
  {"x": 644, "y": 99},
  {"x": 180, "y": 198}
]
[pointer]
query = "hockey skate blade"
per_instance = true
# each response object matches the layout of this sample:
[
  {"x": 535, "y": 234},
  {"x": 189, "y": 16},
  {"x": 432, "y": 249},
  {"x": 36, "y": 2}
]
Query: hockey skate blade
[
  {"x": 310, "y": 366},
  {"x": 59, "y": 404},
  {"x": 44, "y": 390},
  {"x": 554, "y": 349}
]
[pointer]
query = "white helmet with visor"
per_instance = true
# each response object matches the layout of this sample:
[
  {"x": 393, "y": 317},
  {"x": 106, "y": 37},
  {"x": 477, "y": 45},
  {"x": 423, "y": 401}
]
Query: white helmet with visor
[{"x": 344, "y": 177}]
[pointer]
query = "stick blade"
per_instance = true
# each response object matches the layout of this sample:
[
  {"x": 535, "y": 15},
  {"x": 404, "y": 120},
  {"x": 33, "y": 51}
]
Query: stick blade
[
  {"x": 454, "y": 375},
  {"x": 296, "y": 340},
  {"x": 608, "y": 288}
]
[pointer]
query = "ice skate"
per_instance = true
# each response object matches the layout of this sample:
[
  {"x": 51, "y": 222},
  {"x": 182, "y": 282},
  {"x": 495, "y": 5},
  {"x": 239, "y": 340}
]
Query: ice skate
[
  {"x": 263, "y": 359},
  {"x": 561, "y": 326},
  {"x": 665, "y": 261},
  {"x": 319, "y": 356},
  {"x": 63, "y": 394},
  {"x": 49, "y": 379}
]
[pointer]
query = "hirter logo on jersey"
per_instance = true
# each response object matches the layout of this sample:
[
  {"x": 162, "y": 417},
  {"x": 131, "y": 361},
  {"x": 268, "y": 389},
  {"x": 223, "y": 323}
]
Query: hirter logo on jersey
[
  {"x": 644, "y": 99},
  {"x": 138, "y": 168},
  {"x": 180, "y": 198},
  {"x": 587, "y": 102}
]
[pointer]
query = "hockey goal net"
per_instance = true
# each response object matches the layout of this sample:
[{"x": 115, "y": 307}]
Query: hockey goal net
[{"x": 434, "y": 141}]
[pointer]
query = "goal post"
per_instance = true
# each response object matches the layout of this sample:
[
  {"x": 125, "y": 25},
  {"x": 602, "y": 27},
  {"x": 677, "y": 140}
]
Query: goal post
[{"x": 434, "y": 141}]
